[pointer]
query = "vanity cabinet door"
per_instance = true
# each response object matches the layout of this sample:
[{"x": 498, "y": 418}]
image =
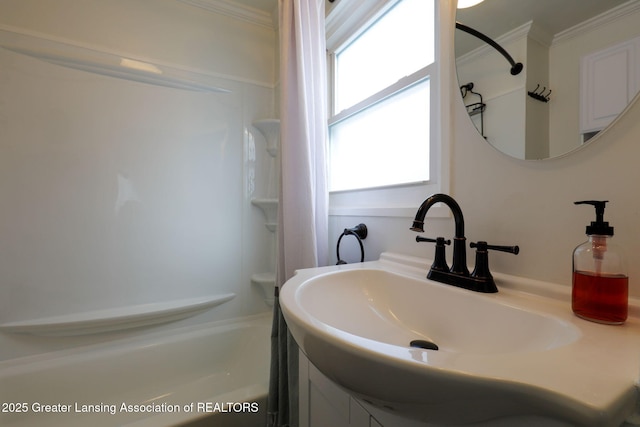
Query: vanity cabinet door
[{"x": 323, "y": 403}]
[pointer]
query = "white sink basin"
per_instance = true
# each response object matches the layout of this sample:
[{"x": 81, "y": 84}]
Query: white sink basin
[
  {"x": 499, "y": 355},
  {"x": 394, "y": 309}
]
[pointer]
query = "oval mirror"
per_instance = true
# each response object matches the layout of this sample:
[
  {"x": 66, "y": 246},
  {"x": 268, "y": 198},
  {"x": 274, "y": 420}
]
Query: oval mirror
[{"x": 578, "y": 71}]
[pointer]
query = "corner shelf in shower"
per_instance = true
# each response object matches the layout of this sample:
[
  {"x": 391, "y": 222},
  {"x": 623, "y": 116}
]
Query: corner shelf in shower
[
  {"x": 267, "y": 281},
  {"x": 270, "y": 209},
  {"x": 100, "y": 61},
  {"x": 270, "y": 129},
  {"x": 116, "y": 319}
]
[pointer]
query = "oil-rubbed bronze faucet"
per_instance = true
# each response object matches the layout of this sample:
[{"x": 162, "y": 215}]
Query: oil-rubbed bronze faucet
[{"x": 458, "y": 275}]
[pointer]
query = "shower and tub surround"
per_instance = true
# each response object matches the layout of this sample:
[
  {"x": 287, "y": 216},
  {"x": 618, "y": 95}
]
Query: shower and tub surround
[
  {"x": 156, "y": 379},
  {"x": 128, "y": 173},
  {"x": 480, "y": 279},
  {"x": 128, "y": 176}
]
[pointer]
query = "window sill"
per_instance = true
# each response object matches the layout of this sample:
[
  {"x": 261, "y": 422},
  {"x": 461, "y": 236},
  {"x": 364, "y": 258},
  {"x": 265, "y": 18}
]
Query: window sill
[{"x": 437, "y": 211}]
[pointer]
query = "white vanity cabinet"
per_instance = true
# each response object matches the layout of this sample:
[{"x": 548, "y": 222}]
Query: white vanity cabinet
[{"x": 322, "y": 403}]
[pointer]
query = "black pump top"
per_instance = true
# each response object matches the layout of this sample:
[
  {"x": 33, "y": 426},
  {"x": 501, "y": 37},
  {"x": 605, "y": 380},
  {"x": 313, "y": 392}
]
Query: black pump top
[{"x": 599, "y": 226}]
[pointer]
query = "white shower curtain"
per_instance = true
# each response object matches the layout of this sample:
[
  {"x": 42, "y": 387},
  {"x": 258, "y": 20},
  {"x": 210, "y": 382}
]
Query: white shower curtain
[
  {"x": 303, "y": 209},
  {"x": 303, "y": 240}
]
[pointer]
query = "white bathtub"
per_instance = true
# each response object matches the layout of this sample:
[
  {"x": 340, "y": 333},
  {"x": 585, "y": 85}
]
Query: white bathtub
[{"x": 175, "y": 378}]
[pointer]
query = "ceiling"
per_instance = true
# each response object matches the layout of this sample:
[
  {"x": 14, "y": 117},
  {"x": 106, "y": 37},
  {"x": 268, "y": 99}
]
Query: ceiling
[{"x": 497, "y": 17}]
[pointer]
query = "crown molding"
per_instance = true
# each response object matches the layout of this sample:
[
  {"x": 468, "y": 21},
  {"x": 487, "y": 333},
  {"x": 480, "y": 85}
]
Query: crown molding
[
  {"x": 630, "y": 7},
  {"x": 235, "y": 10}
]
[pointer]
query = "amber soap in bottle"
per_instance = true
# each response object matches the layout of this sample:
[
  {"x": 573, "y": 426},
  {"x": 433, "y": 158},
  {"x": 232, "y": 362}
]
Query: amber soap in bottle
[{"x": 600, "y": 283}]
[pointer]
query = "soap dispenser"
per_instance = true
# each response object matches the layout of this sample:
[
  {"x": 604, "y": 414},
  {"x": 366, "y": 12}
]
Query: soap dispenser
[{"x": 600, "y": 281}]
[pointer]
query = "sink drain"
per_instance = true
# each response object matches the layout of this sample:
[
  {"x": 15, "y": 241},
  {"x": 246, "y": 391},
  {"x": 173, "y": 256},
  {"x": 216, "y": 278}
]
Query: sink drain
[{"x": 427, "y": 345}]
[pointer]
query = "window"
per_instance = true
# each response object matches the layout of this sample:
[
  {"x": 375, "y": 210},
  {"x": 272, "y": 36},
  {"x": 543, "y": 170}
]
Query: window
[{"x": 381, "y": 127}]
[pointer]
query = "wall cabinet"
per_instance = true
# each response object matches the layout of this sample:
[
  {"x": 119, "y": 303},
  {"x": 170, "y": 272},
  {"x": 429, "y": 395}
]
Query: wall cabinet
[{"x": 610, "y": 78}]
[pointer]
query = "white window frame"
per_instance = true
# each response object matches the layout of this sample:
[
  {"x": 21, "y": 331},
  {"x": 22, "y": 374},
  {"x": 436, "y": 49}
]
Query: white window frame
[{"x": 343, "y": 22}]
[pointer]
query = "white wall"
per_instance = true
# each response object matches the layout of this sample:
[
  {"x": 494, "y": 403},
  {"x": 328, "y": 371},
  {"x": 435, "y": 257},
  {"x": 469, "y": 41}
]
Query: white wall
[
  {"x": 529, "y": 203},
  {"x": 116, "y": 192}
]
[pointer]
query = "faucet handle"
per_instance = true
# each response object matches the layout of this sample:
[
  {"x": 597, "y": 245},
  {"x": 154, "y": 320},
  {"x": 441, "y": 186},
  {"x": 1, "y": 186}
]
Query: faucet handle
[
  {"x": 439, "y": 240},
  {"x": 481, "y": 270},
  {"x": 439, "y": 260},
  {"x": 483, "y": 246}
]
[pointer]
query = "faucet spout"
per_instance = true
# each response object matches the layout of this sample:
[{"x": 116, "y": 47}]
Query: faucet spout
[
  {"x": 459, "y": 265},
  {"x": 418, "y": 222}
]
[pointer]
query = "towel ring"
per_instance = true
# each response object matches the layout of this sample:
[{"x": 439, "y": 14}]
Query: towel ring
[{"x": 360, "y": 233}]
